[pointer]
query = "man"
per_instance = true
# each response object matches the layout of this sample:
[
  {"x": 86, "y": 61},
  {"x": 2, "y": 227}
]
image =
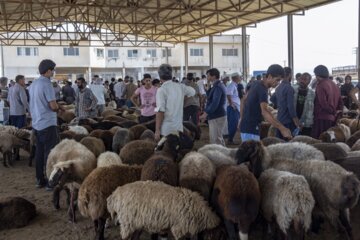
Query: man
[
  {"x": 111, "y": 88},
  {"x": 304, "y": 103},
  {"x": 202, "y": 83},
  {"x": 99, "y": 91},
  {"x": 215, "y": 107},
  {"x": 328, "y": 104},
  {"x": 129, "y": 91},
  {"x": 119, "y": 89},
  {"x": 43, "y": 108},
  {"x": 57, "y": 90},
  {"x": 345, "y": 90},
  {"x": 18, "y": 101},
  {"x": 255, "y": 106},
  {"x": 240, "y": 87},
  {"x": 283, "y": 98},
  {"x": 192, "y": 104},
  {"x": 233, "y": 108},
  {"x": 68, "y": 93},
  {"x": 170, "y": 103},
  {"x": 147, "y": 94},
  {"x": 86, "y": 101}
]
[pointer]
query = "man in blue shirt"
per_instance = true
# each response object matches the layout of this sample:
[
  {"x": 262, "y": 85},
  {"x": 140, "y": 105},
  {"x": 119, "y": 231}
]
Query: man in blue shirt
[
  {"x": 215, "y": 107},
  {"x": 43, "y": 108},
  {"x": 284, "y": 100},
  {"x": 255, "y": 106}
]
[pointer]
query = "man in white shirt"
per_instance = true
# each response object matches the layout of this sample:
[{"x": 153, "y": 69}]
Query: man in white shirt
[
  {"x": 170, "y": 103},
  {"x": 233, "y": 108},
  {"x": 119, "y": 89},
  {"x": 99, "y": 91}
]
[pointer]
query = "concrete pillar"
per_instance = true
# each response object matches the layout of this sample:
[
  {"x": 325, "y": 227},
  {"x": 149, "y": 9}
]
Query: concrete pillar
[
  {"x": 89, "y": 75},
  {"x": 244, "y": 53},
  {"x": 166, "y": 55},
  {"x": 211, "y": 51},
  {"x": 290, "y": 42},
  {"x": 2, "y": 61},
  {"x": 186, "y": 50}
]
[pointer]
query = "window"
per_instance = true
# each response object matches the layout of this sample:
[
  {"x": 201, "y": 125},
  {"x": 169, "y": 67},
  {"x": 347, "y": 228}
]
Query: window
[
  {"x": 196, "y": 52},
  {"x": 151, "y": 53},
  {"x": 230, "y": 52},
  {"x": 168, "y": 52},
  {"x": 113, "y": 53},
  {"x": 100, "y": 53},
  {"x": 27, "y": 51},
  {"x": 71, "y": 51},
  {"x": 133, "y": 53}
]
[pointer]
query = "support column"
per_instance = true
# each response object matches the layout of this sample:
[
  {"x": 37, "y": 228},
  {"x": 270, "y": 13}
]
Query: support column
[
  {"x": 290, "y": 42},
  {"x": 186, "y": 59},
  {"x": 211, "y": 51},
  {"x": 167, "y": 55},
  {"x": 2, "y": 61},
  {"x": 244, "y": 53},
  {"x": 89, "y": 75},
  {"x": 358, "y": 48}
]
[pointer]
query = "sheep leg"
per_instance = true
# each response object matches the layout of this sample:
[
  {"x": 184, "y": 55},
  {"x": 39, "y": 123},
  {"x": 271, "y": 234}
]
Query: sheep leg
[
  {"x": 9, "y": 157},
  {"x": 56, "y": 197},
  {"x": 230, "y": 229},
  {"x": 101, "y": 228},
  {"x": 96, "y": 227},
  {"x": 17, "y": 154},
  {"x": 154, "y": 236},
  {"x": 4, "y": 160},
  {"x": 136, "y": 235},
  {"x": 71, "y": 210},
  {"x": 345, "y": 223}
]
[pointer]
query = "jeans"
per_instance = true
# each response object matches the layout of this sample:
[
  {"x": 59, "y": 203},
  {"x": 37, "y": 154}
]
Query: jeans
[
  {"x": 18, "y": 121},
  {"x": 249, "y": 136},
  {"x": 129, "y": 103},
  {"x": 120, "y": 102},
  {"x": 46, "y": 140},
  {"x": 191, "y": 112},
  {"x": 233, "y": 116},
  {"x": 144, "y": 119}
]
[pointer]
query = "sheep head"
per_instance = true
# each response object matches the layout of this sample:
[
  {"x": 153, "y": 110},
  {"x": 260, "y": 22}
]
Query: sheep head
[
  {"x": 350, "y": 188},
  {"x": 328, "y": 136},
  {"x": 169, "y": 145},
  {"x": 60, "y": 173},
  {"x": 252, "y": 152}
]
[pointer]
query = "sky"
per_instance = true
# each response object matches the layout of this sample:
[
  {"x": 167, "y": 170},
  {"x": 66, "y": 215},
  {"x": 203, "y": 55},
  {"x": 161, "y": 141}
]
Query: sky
[{"x": 325, "y": 35}]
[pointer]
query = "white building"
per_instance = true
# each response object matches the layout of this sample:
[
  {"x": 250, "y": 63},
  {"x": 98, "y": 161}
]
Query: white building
[{"x": 116, "y": 61}]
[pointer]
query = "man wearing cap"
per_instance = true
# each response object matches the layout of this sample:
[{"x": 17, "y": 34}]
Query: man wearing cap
[
  {"x": 147, "y": 104},
  {"x": 255, "y": 106},
  {"x": 233, "y": 108},
  {"x": 43, "y": 108},
  {"x": 170, "y": 103},
  {"x": 328, "y": 104}
]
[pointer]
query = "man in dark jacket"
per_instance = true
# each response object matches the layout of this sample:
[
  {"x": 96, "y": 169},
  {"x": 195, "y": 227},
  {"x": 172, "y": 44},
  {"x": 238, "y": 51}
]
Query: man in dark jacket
[
  {"x": 215, "y": 107},
  {"x": 328, "y": 104}
]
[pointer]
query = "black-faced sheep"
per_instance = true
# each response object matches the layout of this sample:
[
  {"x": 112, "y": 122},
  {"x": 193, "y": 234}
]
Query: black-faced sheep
[
  {"x": 305, "y": 139},
  {"x": 15, "y": 212},
  {"x": 121, "y": 138},
  {"x": 69, "y": 161},
  {"x": 287, "y": 199},
  {"x": 236, "y": 197},
  {"x": 98, "y": 186},
  {"x": 137, "y": 130},
  {"x": 271, "y": 140},
  {"x": 335, "y": 190},
  {"x": 197, "y": 173},
  {"x": 331, "y": 150},
  {"x": 95, "y": 145},
  {"x": 295, "y": 151},
  {"x": 108, "y": 158},
  {"x": 137, "y": 152},
  {"x": 218, "y": 154},
  {"x": 183, "y": 212}
]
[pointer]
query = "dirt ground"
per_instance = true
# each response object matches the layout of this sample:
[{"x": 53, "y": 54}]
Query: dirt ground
[{"x": 52, "y": 224}]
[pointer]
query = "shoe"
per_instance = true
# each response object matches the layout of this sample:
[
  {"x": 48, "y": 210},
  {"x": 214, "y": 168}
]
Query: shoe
[
  {"x": 48, "y": 188},
  {"x": 40, "y": 183}
]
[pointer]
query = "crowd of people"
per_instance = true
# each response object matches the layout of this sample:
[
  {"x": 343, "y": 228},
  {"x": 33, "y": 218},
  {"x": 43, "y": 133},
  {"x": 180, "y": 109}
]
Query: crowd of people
[{"x": 306, "y": 106}]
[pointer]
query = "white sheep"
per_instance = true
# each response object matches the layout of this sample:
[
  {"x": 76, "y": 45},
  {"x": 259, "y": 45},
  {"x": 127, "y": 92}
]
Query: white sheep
[
  {"x": 218, "y": 154},
  {"x": 165, "y": 207},
  {"x": 79, "y": 130},
  {"x": 295, "y": 151},
  {"x": 108, "y": 158}
]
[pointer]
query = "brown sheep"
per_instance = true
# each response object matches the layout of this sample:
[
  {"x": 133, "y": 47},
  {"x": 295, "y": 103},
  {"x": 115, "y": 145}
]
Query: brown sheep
[
  {"x": 115, "y": 118},
  {"x": 99, "y": 185},
  {"x": 105, "y": 135},
  {"x": 137, "y": 130},
  {"x": 137, "y": 152},
  {"x": 66, "y": 116},
  {"x": 67, "y": 135},
  {"x": 95, "y": 145},
  {"x": 236, "y": 197},
  {"x": 109, "y": 112},
  {"x": 333, "y": 134},
  {"x": 128, "y": 124},
  {"x": 148, "y": 135},
  {"x": 16, "y": 212},
  {"x": 331, "y": 150}
]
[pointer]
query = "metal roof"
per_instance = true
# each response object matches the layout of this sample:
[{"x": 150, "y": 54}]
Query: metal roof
[{"x": 76, "y": 21}]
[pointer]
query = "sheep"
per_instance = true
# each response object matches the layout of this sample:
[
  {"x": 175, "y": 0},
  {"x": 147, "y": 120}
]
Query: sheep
[
  {"x": 148, "y": 135},
  {"x": 98, "y": 186},
  {"x": 271, "y": 140},
  {"x": 353, "y": 154},
  {"x": 150, "y": 125},
  {"x": 195, "y": 130},
  {"x": 295, "y": 150},
  {"x": 113, "y": 130},
  {"x": 137, "y": 130},
  {"x": 79, "y": 130},
  {"x": 109, "y": 112},
  {"x": 352, "y": 140},
  {"x": 67, "y": 135},
  {"x": 131, "y": 116},
  {"x": 356, "y": 146},
  {"x": 162, "y": 165},
  {"x": 95, "y": 145},
  {"x": 331, "y": 150},
  {"x": 107, "y": 159},
  {"x": 23, "y": 134},
  {"x": 346, "y": 130},
  {"x": 236, "y": 197},
  {"x": 16, "y": 212},
  {"x": 344, "y": 146},
  {"x": 121, "y": 138},
  {"x": 114, "y": 118},
  {"x": 335, "y": 189},
  {"x": 66, "y": 116},
  {"x": 7, "y": 144},
  {"x": 218, "y": 154},
  {"x": 105, "y": 125},
  {"x": 69, "y": 161},
  {"x": 335, "y": 134},
  {"x": 286, "y": 198},
  {"x": 105, "y": 135},
  {"x": 128, "y": 124},
  {"x": 197, "y": 173},
  {"x": 137, "y": 151},
  {"x": 305, "y": 139},
  {"x": 165, "y": 207}
]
